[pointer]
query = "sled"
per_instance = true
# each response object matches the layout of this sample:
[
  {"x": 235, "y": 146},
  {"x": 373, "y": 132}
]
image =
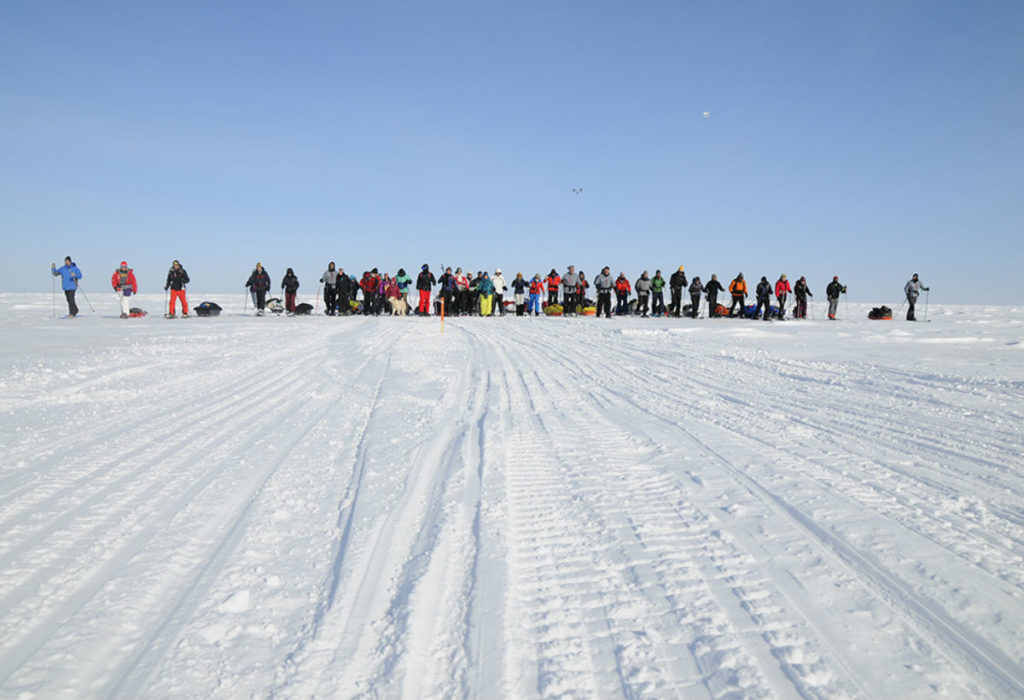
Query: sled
[
  {"x": 303, "y": 309},
  {"x": 275, "y": 306},
  {"x": 880, "y": 313},
  {"x": 136, "y": 312},
  {"x": 207, "y": 308}
]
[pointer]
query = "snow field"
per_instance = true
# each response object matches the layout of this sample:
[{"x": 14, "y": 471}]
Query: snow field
[{"x": 350, "y": 507}]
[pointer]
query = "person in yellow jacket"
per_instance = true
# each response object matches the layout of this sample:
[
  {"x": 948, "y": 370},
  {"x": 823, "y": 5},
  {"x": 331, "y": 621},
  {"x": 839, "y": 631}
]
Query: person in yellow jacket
[{"x": 738, "y": 289}]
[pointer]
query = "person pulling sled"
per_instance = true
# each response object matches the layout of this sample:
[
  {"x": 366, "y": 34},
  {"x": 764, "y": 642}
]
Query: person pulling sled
[
  {"x": 177, "y": 278},
  {"x": 69, "y": 274},
  {"x": 123, "y": 282},
  {"x": 913, "y": 290}
]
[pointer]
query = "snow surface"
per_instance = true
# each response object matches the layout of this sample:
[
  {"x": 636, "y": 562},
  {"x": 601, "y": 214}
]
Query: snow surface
[{"x": 349, "y": 507}]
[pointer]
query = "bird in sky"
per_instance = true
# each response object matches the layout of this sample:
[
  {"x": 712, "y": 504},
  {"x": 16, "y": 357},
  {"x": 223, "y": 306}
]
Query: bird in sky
[{"x": 577, "y": 190}]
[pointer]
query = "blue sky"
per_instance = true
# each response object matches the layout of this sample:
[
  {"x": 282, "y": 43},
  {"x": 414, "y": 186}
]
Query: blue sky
[{"x": 869, "y": 140}]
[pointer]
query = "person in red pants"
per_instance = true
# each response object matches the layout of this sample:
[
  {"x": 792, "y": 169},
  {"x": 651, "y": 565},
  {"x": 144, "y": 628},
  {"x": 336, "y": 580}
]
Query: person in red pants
[
  {"x": 177, "y": 278},
  {"x": 424, "y": 283}
]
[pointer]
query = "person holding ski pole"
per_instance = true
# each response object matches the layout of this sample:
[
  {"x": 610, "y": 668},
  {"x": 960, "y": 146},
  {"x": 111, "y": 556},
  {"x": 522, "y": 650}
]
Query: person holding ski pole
[
  {"x": 177, "y": 278},
  {"x": 290, "y": 286},
  {"x": 711, "y": 290},
  {"x": 832, "y": 292},
  {"x": 782, "y": 290},
  {"x": 913, "y": 290},
  {"x": 69, "y": 274},
  {"x": 802, "y": 291},
  {"x": 738, "y": 290},
  {"x": 123, "y": 282},
  {"x": 259, "y": 283}
]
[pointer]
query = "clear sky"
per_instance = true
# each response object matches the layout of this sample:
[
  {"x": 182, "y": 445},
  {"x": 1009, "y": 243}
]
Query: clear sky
[{"x": 867, "y": 139}]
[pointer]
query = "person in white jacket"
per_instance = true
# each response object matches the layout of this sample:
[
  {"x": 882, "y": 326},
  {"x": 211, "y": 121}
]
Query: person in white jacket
[{"x": 499, "y": 291}]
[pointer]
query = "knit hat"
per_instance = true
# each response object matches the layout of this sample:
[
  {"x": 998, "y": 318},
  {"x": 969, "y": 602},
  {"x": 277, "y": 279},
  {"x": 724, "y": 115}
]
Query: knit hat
[
  {"x": 680, "y": 268},
  {"x": 497, "y": 270}
]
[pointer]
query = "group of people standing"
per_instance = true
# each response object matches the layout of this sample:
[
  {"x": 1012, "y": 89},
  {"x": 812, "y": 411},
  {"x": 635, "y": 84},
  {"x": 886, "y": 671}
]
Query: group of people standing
[{"x": 463, "y": 293}]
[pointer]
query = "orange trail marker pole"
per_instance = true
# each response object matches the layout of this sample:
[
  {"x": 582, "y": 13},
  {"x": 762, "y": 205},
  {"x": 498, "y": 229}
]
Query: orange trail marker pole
[{"x": 442, "y": 315}]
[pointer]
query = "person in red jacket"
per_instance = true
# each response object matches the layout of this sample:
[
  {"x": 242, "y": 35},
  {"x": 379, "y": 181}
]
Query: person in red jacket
[
  {"x": 123, "y": 282},
  {"x": 554, "y": 282},
  {"x": 782, "y": 288},
  {"x": 370, "y": 285},
  {"x": 622, "y": 291}
]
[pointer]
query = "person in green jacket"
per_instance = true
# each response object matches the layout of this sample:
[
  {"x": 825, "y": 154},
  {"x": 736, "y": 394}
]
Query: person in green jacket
[
  {"x": 403, "y": 281},
  {"x": 657, "y": 294}
]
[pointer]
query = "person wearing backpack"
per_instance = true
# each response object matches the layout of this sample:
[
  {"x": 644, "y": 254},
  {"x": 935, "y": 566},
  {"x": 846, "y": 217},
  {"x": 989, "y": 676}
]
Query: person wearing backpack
[
  {"x": 259, "y": 284},
  {"x": 801, "y": 291},
  {"x": 832, "y": 292},
  {"x": 290, "y": 287},
  {"x": 782, "y": 290},
  {"x": 643, "y": 293},
  {"x": 711, "y": 290},
  {"x": 657, "y": 294},
  {"x": 913, "y": 290},
  {"x": 424, "y": 284},
  {"x": 696, "y": 289},
  {"x": 177, "y": 278},
  {"x": 738, "y": 290},
  {"x": 123, "y": 282},
  {"x": 676, "y": 283},
  {"x": 764, "y": 299},
  {"x": 69, "y": 275}
]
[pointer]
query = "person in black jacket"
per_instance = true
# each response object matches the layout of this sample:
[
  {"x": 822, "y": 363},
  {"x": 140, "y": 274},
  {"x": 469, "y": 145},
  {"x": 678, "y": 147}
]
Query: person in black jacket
[
  {"x": 832, "y": 292},
  {"x": 696, "y": 288},
  {"x": 177, "y": 278},
  {"x": 424, "y": 284},
  {"x": 801, "y": 291},
  {"x": 347, "y": 290},
  {"x": 259, "y": 283},
  {"x": 675, "y": 284},
  {"x": 290, "y": 286},
  {"x": 711, "y": 289},
  {"x": 764, "y": 299}
]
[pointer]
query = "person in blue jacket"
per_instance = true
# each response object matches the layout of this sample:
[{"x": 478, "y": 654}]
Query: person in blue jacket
[{"x": 69, "y": 274}]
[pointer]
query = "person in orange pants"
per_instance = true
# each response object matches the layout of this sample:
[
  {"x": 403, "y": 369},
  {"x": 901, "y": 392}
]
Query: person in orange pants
[{"x": 177, "y": 278}]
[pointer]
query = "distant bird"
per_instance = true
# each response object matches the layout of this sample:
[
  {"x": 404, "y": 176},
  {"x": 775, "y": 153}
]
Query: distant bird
[
  {"x": 577, "y": 190},
  {"x": 707, "y": 115}
]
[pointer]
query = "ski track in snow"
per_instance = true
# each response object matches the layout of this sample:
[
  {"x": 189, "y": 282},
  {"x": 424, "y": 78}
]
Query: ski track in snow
[{"x": 522, "y": 508}]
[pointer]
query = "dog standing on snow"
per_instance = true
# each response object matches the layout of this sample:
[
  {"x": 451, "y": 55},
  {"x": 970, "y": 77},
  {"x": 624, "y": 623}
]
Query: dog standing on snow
[{"x": 399, "y": 307}]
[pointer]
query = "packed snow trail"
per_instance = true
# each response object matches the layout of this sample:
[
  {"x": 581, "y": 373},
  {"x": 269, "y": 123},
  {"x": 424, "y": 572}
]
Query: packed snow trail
[{"x": 350, "y": 507}]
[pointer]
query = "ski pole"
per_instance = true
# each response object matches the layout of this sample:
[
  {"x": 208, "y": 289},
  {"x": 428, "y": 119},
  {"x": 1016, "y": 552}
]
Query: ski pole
[
  {"x": 167, "y": 307},
  {"x": 316, "y": 306},
  {"x": 53, "y": 279},
  {"x": 926, "y": 293},
  {"x": 245, "y": 301},
  {"x": 78, "y": 286}
]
